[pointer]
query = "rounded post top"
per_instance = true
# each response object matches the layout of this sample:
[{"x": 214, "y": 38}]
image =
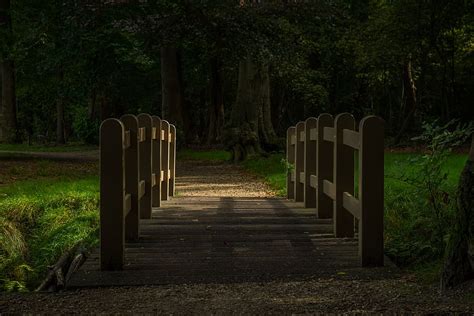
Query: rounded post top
[
  {"x": 371, "y": 120},
  {"x": 111, "y": 123},
  {"x": 311, "y": 120}
]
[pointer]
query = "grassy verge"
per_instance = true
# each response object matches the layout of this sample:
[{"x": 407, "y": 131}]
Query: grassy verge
[
  {"x": 43, "y": 216},
  {"x": 73, "y": 147}
]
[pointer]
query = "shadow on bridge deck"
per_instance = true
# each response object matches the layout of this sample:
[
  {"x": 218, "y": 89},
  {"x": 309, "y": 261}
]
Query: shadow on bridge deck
[{"x": 220, "y": 240}]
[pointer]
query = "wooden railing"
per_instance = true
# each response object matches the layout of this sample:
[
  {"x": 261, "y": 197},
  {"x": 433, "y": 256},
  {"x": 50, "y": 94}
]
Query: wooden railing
[
  {"x": 320, "y": 152},
  {"x": 137, "y": 172}
]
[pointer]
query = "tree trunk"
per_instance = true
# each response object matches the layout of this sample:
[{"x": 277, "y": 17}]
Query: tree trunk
[
  {"x": 410, "y": 92},
  {"x": 172, "y": 95},
  {"x": 250, "y": 127},
  {"x": 459, "y": 264},
  {"x": 8, "y": 120},
  {"x": 60, "y": 139},
  {"x": 216, "y": 106}
]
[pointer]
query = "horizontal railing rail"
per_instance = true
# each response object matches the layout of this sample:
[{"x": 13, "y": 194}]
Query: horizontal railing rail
[
  {"x": 137, "y": 170},
  {"x": 321, "y": 173}
]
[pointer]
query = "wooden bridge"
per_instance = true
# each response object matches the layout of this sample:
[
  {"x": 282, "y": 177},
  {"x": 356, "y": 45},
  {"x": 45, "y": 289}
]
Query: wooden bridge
[{"x": 148, "y": 238}]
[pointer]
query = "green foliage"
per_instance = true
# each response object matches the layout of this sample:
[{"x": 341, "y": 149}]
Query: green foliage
[
  {"x": 41, "y": 219},
  {"x": 272, "y": 169},
  {"x": 419, "y": 219},
  {"x": 86, "y": 129}
]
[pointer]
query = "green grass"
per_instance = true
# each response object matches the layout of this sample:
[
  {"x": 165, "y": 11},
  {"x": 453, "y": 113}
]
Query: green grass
[
  {"x": 43, "y": 217},
  {"x": 73, "y": 147},
  {"x": 204, "y": 155}
]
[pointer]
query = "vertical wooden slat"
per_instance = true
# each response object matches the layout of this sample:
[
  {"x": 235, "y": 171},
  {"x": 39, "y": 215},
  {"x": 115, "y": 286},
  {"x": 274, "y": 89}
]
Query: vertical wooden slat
[
  {"x": 132, "y": 177},
  {"x": 371, "y": 191},
  {"x": 290, "y": 158},
  {"x": 112, "y": 195},
  {"x": 343, "y": 176},
  {"x": 309, "y": 163},
  {"x": 165, "y": 162},
  {"x": 156, "y": 162},
  {"x": 172, "y": 160},
  {"x": 299, "y": 163},
  {"x": 145, "y": 147},
  {"x": 324, "y": 167}
]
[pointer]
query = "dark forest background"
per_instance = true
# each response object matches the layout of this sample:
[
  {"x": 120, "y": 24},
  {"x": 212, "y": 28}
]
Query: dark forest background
[{"x": 230, "y": 73}]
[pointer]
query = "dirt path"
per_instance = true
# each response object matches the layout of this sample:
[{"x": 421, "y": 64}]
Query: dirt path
[{"x": 338, "y": 293}]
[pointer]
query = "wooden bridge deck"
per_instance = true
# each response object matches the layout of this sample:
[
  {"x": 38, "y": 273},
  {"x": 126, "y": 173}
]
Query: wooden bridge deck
[{"x": 206, "y": 239}]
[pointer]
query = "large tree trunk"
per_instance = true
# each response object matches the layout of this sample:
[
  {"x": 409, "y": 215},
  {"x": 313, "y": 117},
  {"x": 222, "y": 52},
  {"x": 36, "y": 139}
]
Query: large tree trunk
[
  {"x": 172, "y": 95},
  {"x": 8, "y": 121},
  {"x": 251, "y": 127},
  {"x": 411, "y": 103},
  {"x": 459, "y": 265},
  {"x": 216, "y": 106}
]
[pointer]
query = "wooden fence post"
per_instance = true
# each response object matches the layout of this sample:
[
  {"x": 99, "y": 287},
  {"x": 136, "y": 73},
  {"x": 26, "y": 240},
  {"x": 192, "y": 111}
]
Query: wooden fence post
[
  {"x": 165, "y": 159},
  {"x": 172, "y": 159},
  {"x": 299, "y": 163},
  {"x": 290, "y": 159},
  {"x": 324, "y": 167},
  {"x": 112, "y": 195},
  {"x": 145, "y": 124},
  {"x": 132, "y": 178},
  {"x": 371, "y": 191},
  {"x": 310, "y": 134},
  {"x": 156, "y": 162},
  {"x": 343, "y": 176}
]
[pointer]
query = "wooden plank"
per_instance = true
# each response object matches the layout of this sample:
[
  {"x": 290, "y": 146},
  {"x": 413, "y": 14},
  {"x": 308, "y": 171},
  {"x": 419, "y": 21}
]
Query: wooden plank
[
  {"x": 313, "y": 181},
  {"x": 329, "y": 134},
  {"x": 126, "y": 140},
  {"x": 293, "y": 140},
  {"x": 141, "y": 134},
  {"x": 351, "y": 138},
  {"x": 329, "y": 189},
  {"x": 313, "y": 134},
  {"x": 302, "y": 136},
  {"x": 128, "y": 204},
  {"x": 351, "y": 204},
  {"x": 302, "y": 177},
  {"x": 141, "y": 189}
]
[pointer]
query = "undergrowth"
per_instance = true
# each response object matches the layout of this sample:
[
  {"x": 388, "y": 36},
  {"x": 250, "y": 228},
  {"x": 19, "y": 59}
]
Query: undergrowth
[{"x": 39, "y": 220}]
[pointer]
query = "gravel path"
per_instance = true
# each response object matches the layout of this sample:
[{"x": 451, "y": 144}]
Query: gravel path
[{"x": 339, "y": 293}]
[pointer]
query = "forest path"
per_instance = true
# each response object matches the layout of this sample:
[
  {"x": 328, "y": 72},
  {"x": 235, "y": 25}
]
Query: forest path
[{"x": 340, "y": 291}]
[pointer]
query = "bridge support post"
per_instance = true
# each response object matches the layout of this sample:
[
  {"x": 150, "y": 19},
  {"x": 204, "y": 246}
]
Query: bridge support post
[
  {"x": 165, "y": 161},
  {"x": 310, "y": 147},
  {"x": 290, "y": 159},
  {"x": 172, "y": 159},
  {"x": 299, "y": 163},
  {"x": 371, "y": 191},
  {"x": 132, "y": 221},
  {"x": 156, "y": 162},
  {"x": 324, "y": 167},
  {"x": 112, "y": 195},
  {"x": 343, "y": 176},
  {"x": 145, "y": 123}
]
